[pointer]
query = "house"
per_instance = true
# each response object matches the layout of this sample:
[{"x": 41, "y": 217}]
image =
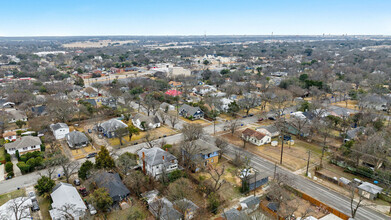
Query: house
[
  {"x": 23, "y": 145},
  {"x": 369, "y": 190},
  {"x": 109, "y": 127},
  {"x": 9, "y": 136},
  {"x": 163, "y": 209},
  {"x": 250, "y": 204},
  {"x": 204, "y": 89},
  {"x": 7, "y": 104},
  {"x": 91, "y": 101},
  {"x": 59, "y": 130},
  {"x": 66, "y": 201},
  {"x": 109, "y": 102},
  {"x": 279, "y": 74},
  {"x": 155, "y": 161},
  {"x": 23, "y": 203},
  {"x": 354, "y": 133},
  {"x": 191, "y": 112},
  {"x": 255, "y": 137},
  {"x": 144, "y": 122},
  {"x": 167, "y": 107},
  {"x": 233, "y": 214},
  {"x": 175, "y": 84},
  {"x": 76, "y": 139},
  {"x": 39, "y": 110},
  {"x": 270, "y": 130},
  {"x": 173, "y": 92},
  {"x": 256, "y": 180},
  {"x": 188, "y": 206},
  {"x": 208, "y": 153},
  {"x": 90, "y": 92},
  {"x": 17, "y": 115},
  {"x": 298, "y": 115},
  {"x": 113, "y": 183}
]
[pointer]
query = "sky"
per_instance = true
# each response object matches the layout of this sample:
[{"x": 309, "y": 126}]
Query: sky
[{"x": 194, "y": 17}]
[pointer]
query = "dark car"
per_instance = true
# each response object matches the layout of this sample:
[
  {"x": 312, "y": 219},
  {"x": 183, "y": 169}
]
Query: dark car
[
  {"x": 35, "y": 206},
  {"x": 260, "y": 119},
  {"x": 90, "y": 155},
  {"x": 244, "y": 116},
  {"x": 250, "y": 115},
  {"x": 76, "y": 182},
  {"x": 83, "y": 191},
  {"x": 271, "y": 118},
  {"x": 89, "y": 131}
]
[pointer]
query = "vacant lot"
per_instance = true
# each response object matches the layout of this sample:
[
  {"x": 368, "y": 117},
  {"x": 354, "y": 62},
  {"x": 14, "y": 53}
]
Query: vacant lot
[
  {"x": 351, "y": 104},
  {"x": 294, "y": 157},
  {"x": 199, "y": 121},
  {"x": 82, "y": 152}
]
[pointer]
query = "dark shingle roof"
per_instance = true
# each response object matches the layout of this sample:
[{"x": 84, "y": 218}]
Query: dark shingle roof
[{"x": 113, "y": 183}]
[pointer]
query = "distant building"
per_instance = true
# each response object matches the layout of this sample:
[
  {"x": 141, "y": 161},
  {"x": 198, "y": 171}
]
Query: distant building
[{"x": 191, "y": 112}]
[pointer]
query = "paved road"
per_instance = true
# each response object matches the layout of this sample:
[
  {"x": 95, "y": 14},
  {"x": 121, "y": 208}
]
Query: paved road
[{"x": 313, "y": 189}]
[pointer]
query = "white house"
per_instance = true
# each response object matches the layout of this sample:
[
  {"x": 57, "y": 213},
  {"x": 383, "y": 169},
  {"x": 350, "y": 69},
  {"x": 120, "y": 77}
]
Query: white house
[
  {"x": 66, "y": 201},
  {"x": 23, "y": 145},
  {"x": 9, "y": 136},
  {"x": 202, "y": 90},
  {"x": 143, "y": 122},
  {"x": 156, "y": 162},
  {"x": 59, "y": 130},
  {"x": 255, "y": 137}
]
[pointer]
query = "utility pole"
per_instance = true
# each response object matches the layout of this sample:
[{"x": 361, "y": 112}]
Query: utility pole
[
  {"x": 308, "y": 162},
  {"x": 255, "y": 186},
  {"x": 214, "y": 125},
  {"x": 275, "y": 170},
  {"x": 282, "y": 148}
]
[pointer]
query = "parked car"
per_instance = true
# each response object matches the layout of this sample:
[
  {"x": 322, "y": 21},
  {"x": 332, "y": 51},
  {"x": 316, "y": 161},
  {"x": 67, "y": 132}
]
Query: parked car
[
  {"x": 250, "y": 115},
  {"x": 271, "y": 118},
  {"x": 35, "y": 206},
  {"x": 89, "y": 131},
  {"x": 91, "y": 208},
  {"x": 32, "y": 196},
  {"x": 83, "y": 191},
  {"x": 260, "y": 119},
  {"x": 90, "y": 155},
  {"x": 76, "y": 182},
  {"x": 244, "y": 116}
]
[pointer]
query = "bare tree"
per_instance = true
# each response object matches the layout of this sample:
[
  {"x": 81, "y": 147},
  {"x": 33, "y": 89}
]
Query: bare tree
[
  {"x": 163, "y": 116},
  {"x": 281, "y": 102},
  {"x": 249, "y": 102},
  {"x": 18, "y": 207},
  {"x": 173, "y": 120},
  {"x": 232, "y": 126},
  {"x": 67, "y": 211},
  {"x": 354, "y": 206},
  {"x": 68, "y": 167},
  {"x": 222, "y": 145},
  {"x": 61, "y": 110},
  {"x": 192, "y": 132},
  {"x": 216, "y": 175},
  {"x": 190, "y": 151}
]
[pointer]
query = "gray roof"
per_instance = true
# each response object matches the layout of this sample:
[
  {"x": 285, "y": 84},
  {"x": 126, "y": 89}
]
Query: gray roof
[
  {"x": 65, "y": 193},
  {"x": 371, "y": 188},
  {"x": 251, "y": 201},
  {"x": 270, "y": 128},
  {"x": 17, "y": 114},
  {"x": 206, "y": 147},
  {"x": 189, "y": 109},
  {"x": 353, "y": 133},
  {"x": 57, "y": 126},
  {"x": 76, "y": 137},
  {"x": 113, "y": 183},
  {"x": 147, "y": 119},
  {"x": 112, "y": 125},
  {"x": 154, "y": 156},
  {"x": 188, "y": 204},
  {"x": 165, "y": 208},
  {"x": 25, "y": 141},
  {"x": 233, "y": 214}
]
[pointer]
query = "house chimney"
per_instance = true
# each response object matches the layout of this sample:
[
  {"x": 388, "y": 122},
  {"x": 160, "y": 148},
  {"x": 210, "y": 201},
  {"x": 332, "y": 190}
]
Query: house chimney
[
  {"x": 166, "y": 149},
  {"x": 163, "y": 157}
]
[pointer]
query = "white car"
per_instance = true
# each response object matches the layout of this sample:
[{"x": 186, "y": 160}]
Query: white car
[
  {"x": 32, "y": 196},
  {"x": 92, "y": 209}
]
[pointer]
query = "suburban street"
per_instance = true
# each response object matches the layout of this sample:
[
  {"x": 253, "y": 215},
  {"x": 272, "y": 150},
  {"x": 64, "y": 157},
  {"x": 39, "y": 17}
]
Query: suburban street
[{"x": 323, "y": 194}]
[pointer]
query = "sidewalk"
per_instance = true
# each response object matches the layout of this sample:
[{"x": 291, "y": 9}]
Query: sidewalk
[
  {"x": 2, "y": 172},
  {"x": 17, "y": 171}
]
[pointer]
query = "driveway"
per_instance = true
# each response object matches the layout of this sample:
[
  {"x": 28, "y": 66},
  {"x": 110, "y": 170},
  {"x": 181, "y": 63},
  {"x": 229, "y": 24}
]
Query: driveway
[{"x": 17, "y": 171}]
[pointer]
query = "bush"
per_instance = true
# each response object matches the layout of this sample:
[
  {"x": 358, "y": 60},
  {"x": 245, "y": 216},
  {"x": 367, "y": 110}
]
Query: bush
[
  {"x": 24, "y": 168},
  {"x": 167, "y": 147},
  {"x": 7, "y": 157},
  {"x": 213, "y": 203},
  {"x": 85, "y": 170},
  {"x": 176, "y": 174},
  {"x": 9, "y": 167},
  {"x": 11, "y": 174},
  {"x": 44, "y": 185},
  {"x": 42, "y": 147}
]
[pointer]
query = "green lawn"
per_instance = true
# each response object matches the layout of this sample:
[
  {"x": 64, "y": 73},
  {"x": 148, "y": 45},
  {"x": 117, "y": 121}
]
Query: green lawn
[
  {"x": 44, "y": 204},
  {"x": 14, "y": 194}
]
